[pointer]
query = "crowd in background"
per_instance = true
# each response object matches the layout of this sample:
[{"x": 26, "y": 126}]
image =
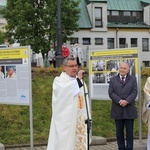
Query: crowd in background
[{"x": 50, "y": 59}]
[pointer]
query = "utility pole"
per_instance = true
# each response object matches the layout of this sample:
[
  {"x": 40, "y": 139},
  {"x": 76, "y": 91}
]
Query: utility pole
[{"x": 59, "y": 58}]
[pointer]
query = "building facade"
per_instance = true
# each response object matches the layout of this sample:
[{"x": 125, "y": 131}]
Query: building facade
[{"x": 113, "y": 24}]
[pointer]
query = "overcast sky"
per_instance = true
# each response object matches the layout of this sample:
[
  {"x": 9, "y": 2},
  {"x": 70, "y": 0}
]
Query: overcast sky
[{"x": 3, "y": 2}]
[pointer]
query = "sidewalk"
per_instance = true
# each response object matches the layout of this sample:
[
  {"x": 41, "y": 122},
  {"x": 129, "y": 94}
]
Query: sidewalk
[
  {"x": 112, "y": 145},
  {"x": 98, "y": 143}
]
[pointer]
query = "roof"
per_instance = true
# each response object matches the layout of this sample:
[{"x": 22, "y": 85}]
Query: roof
[
  {"x": 84, "y": 20},
  {"x": 145, "y": 1},
  {"x": 129, "y": 5},
  {"x": 128, "y": 25},
  {"x": 98, "y": 0}
]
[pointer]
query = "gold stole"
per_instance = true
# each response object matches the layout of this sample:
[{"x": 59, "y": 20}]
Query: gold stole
[{"x": 81, "y": 127}]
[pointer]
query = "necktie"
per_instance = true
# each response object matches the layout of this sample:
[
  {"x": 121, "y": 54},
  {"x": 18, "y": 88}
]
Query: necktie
[{"x": 122, "y": 79}]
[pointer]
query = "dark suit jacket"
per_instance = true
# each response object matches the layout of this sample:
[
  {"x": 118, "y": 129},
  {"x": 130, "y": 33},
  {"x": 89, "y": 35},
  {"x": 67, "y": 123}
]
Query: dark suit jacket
[{"x": 126, "y": 91}]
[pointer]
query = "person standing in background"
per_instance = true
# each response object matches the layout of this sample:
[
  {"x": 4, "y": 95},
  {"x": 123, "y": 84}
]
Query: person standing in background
[
  {"x": 40, "y": 61},
  {"x": 68, "y": 130},
  {"x": 146, "y": 109},
  {"x": 71, "y": 50},
  {"x": 78, "y": 54},
  {"x": 123, "y": 91},
  {"x": 51, "y": 57},
  {"x": 65, "y": 50}
]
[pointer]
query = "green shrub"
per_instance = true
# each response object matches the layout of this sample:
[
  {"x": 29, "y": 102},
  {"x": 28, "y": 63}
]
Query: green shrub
[{"x": 145, "y": 72}]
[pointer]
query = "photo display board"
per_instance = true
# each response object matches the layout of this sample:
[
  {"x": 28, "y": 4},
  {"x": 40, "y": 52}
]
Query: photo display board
[
  {"x": 105, "y": 64},
  {"x": 15, "y": 75}
]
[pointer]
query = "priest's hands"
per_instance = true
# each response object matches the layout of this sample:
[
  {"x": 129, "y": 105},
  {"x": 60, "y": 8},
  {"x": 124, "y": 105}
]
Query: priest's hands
[{"x": 80, "y": 74}]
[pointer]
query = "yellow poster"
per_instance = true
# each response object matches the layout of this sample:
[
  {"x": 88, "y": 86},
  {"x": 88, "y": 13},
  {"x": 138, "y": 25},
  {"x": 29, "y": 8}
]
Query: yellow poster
[
  {"x": 14, "y": 53},
  {"x": 15, "y": 75},
  {"x": 104, "y": 64}
]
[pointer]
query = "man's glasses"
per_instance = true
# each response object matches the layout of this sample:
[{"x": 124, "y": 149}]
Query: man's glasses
[{"x": 72, "y": 66}]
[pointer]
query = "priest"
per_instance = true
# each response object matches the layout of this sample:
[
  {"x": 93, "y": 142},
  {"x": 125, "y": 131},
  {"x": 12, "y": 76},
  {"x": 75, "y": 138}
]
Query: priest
[{"x": 68, "y": 130}]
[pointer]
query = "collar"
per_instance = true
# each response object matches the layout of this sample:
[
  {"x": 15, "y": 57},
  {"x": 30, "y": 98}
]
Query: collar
[
  {"x": 71, "y": 78},
  {"x": 124, "y": 77}
]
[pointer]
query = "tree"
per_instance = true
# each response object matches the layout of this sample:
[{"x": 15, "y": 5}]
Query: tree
[
  {"x": 34, "y": 22},
  {"x": 2, "y": 37}
]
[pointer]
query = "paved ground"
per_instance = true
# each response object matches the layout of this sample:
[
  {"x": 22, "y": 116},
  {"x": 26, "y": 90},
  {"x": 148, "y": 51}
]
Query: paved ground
[{"x": 106, "y": 146}]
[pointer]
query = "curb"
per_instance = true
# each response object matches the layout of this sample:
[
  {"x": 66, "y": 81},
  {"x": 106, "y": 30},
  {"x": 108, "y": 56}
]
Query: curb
[{"x": 95, "y": 141}]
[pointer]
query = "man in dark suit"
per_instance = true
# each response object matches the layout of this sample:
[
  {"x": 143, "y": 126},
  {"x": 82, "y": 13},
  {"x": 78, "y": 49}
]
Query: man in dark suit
[{"x": 123, "y": 110}]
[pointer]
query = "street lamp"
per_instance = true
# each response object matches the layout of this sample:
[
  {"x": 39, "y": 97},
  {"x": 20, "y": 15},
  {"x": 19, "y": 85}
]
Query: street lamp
[{"x": 59, "y": 58}]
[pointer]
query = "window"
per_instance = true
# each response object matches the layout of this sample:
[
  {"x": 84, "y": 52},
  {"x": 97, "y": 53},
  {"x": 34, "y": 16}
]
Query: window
[
  {"x": 134, "y": 13},
  {"x": 115, "y": 13},
  {"x": 108, "y": 12},
  {"x": 133, "y": 42},
  {"x": 110, "y": 43},
  {"x": 86, "y": 41},
  {"x": 122, "y": 42},
  {"x": 73, "y": 40},
  {"x": 146, "y": 63},
  {"x": 126, "y": 13},
  {"x": 136, "y": 17},
  {"x": 125, "y": 16},
  {"x": 98, "y": 41},
  {"x": 98, "y": 17},
  {"x": 113, "y": 16},
  {"x": 145, "y": 44}
]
